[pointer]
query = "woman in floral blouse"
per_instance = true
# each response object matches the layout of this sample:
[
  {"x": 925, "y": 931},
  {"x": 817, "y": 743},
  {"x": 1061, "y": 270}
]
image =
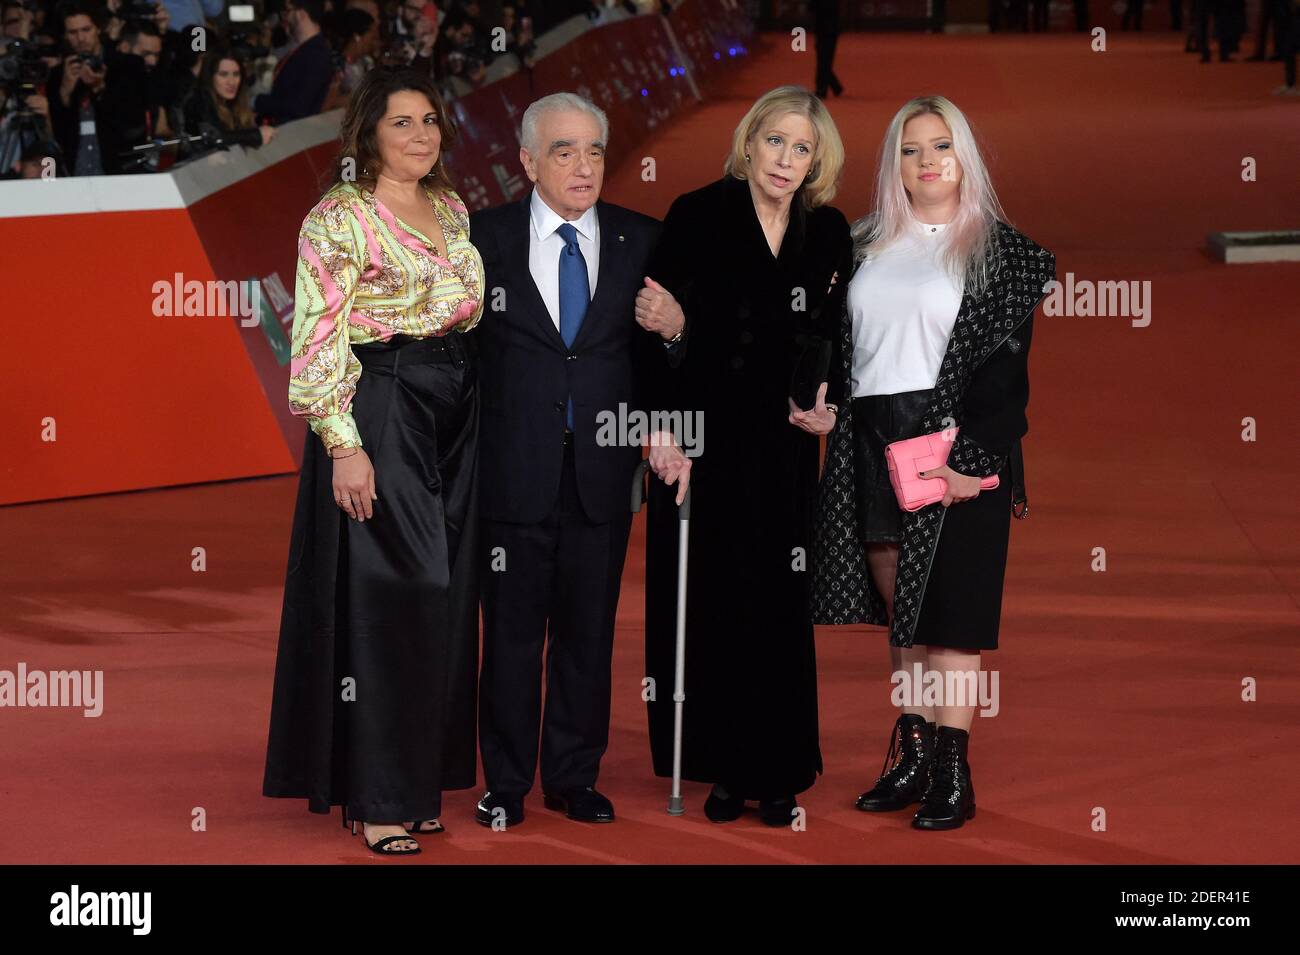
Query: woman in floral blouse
[{"x": 373, "y": 706}]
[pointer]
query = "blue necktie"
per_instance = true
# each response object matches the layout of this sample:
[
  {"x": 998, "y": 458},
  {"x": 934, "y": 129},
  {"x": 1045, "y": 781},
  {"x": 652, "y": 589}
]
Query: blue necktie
[{"x": 575, "y": 294}]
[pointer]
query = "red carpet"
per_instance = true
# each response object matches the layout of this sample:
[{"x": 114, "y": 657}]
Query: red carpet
[{"x": 1120, "y": 690}]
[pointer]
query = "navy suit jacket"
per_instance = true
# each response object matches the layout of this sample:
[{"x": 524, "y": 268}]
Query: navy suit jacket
[{"x": 526, "y": 373}]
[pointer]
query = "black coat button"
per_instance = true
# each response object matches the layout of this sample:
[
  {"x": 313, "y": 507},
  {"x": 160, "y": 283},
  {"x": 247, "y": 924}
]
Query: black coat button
[{"x": 559, "y": 406}]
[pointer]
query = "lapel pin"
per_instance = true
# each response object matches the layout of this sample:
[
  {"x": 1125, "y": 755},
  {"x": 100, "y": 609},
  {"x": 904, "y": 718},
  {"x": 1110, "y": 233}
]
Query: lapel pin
[{"x": 620, "y": 238}]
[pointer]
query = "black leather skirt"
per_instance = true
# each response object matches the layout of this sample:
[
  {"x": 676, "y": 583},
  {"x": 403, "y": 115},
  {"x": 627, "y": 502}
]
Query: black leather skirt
[{"x": 879, "y": 420}]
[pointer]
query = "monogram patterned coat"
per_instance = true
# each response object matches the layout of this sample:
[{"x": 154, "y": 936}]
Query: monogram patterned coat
[{"x": 982, "y": 387}]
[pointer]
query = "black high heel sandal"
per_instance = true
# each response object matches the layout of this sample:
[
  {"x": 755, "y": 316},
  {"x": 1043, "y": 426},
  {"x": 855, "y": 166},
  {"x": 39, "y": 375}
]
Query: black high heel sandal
[
  {"x": 417, "y": 830},
  {"x": 382, "y": 845}
]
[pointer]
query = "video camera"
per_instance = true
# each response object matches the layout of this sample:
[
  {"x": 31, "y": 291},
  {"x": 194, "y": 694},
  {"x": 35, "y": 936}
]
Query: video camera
[{"x": 23, "y": 68}]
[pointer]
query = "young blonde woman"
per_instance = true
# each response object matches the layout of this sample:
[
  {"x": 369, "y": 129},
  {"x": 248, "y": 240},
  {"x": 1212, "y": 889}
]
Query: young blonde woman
[{"x": 935, "y": 327}]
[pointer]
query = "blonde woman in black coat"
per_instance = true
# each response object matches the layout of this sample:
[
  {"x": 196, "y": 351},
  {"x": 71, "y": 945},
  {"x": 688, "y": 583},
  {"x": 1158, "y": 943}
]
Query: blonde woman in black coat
[
  {"x": 935, "y": 329},
  {"x": 751, "y": 259}
]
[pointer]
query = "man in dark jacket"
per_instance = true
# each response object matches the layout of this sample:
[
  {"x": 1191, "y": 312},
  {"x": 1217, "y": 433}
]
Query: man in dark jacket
[
  {"x": 303, "y": 75},
  {"x": 97, "y": 97}
]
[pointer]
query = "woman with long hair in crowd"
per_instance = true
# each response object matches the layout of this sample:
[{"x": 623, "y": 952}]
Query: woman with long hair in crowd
[{"x": 218, "y": 105}]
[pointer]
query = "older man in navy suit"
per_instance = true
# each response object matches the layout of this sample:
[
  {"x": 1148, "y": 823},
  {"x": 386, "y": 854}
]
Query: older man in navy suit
[{"x": 574, "y": 331}]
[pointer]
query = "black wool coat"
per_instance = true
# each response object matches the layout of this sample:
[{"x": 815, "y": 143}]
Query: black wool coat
[
  {"x": 751, "y": 678},
  {"x": 983, "y": 389}
]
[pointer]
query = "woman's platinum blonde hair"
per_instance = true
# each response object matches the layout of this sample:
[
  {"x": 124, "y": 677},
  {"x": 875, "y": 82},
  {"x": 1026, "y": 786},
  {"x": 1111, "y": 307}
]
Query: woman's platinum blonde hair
[
  {"x": 554, "y": 103},
  {"x": 828, "y": 151},
  {"x": 970, "y": 239}
]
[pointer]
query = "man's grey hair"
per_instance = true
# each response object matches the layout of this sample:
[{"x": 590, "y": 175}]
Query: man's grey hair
[{"x": 554, "y": 103}]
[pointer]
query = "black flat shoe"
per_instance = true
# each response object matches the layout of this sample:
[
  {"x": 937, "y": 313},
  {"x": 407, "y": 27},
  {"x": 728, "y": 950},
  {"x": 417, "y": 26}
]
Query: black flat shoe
[
  {"x": 723, "y": 808},
  {"x": 583, "y": 804},
  {"x": 950, "y": 798},
  {"x": 508, "y": 808},
  {"x": 905, "y": 775},
  {"x": 777, "y": 812}
]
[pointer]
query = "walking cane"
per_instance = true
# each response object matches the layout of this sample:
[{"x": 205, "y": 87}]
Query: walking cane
[{"x": 675, "y": 807}]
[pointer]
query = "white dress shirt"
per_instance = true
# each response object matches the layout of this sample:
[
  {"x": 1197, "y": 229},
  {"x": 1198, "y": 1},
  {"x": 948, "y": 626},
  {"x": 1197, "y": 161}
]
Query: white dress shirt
[
  {"x": 545, "y": 246},
  {"x": 903, "y": 305}
]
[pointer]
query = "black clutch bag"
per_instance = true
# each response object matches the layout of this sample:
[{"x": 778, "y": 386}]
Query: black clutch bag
[{"x": 809, "y": 373}]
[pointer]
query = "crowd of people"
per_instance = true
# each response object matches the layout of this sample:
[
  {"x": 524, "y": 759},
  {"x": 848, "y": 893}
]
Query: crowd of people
[{"x": 94, "y": 87}]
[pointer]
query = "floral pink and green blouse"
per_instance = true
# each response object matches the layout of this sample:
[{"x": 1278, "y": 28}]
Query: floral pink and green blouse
[{"x": 364, "y": 275}]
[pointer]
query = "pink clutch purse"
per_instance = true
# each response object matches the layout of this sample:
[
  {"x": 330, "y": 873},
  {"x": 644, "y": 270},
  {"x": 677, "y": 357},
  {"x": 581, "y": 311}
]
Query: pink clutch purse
[{"x": 906, "y": 458}]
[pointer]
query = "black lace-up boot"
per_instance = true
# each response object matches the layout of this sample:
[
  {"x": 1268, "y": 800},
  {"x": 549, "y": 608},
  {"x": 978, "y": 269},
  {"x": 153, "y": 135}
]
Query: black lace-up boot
[
  {"x": 906, "y": 772},
  {"x": 950, "y": 800}
]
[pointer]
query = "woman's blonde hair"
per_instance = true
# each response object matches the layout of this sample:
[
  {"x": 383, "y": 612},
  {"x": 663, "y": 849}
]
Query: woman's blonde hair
[
  {"x": 828, "y": 152},
  {"x": 970, "y": 239}
]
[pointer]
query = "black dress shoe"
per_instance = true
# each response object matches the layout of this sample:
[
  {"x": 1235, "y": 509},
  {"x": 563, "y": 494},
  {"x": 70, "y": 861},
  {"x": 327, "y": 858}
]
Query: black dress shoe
[
  {"x": 950, "y": 799},
  {"x": 777, "y": 812},
  {"x": 911, "y": 750},
  {"x": 583, "y": 804},
  {"x": 723, "y": 808},
  {"x": 508, "y": 807}
]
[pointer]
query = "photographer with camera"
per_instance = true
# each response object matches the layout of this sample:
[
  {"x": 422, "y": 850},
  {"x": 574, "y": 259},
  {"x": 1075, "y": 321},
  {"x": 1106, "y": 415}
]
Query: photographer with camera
[
  {"x": 98, "y": 105},
  {"x": 303, "y": 76},
  {"x": 24, "y": 107}
]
